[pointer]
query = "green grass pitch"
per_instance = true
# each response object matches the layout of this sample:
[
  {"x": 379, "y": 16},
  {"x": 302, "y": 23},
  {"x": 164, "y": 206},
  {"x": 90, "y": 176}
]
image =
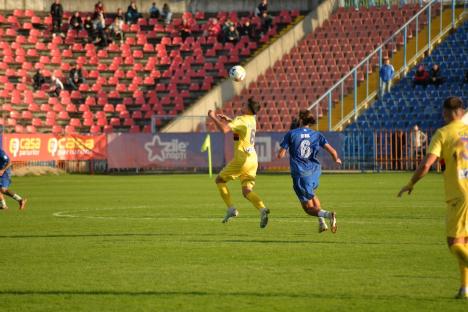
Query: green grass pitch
[{"x": 156, "y": 243}]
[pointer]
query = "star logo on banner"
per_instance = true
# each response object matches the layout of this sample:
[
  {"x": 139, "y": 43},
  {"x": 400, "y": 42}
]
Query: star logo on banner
[{"x": 156, "y": 149}]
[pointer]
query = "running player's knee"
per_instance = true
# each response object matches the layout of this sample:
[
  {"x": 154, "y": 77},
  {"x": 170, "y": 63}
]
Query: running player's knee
[
  {"x": 461, "y": 251},
  {"x": 219, "y": 180},
  {"x": 246, "y": 191},
  {"x": 3, "y": 189},
  {"x": 310, "y": 208}
]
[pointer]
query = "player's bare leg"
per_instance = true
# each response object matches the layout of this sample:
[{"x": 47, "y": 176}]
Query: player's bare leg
[
  {"x": 321, "y": 221},
  {"x": 21, "y": 201},
  {"x": 459, "y": 247},
  {"x": 312, "y": 208},
  {"x": 231, "y": 212},
  {"x": 250, "y": 195},
  {"x": 3, "y": 205}
]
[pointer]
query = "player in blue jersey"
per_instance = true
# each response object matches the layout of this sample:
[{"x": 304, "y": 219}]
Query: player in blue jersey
[
  {"x": 5, "y": 181},
  {"x": 304, "y": 144}
]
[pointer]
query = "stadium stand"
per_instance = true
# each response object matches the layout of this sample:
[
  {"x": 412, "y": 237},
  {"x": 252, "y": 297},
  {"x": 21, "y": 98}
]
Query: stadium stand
[
  {"x": 406, "y": 105},
  {"x": 320, "y": 60},
  {"x": 154, "y": 71}
]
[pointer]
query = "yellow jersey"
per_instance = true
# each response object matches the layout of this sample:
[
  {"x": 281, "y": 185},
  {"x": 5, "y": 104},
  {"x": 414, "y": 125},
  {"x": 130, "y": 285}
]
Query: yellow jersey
[
  {"x": 244, "y": 128},
  {"x": 451, "y": 144}
]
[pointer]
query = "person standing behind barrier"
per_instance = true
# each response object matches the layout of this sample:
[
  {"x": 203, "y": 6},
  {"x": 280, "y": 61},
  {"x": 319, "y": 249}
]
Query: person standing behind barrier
[
  {"x": 386, "y": 75},
  {"x": 418, "y": 141}
]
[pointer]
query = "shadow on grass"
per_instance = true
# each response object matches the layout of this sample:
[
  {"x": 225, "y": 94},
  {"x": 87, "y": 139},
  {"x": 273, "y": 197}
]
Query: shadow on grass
[{"x": 305, "y": 295}]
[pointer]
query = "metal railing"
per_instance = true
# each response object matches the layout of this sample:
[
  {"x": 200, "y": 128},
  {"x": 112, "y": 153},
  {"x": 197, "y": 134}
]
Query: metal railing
[
  {"x": 355, "y": 90},
  {"x": 384, "y": 150}
]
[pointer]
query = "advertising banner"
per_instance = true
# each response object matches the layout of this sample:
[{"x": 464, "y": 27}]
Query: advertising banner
[
  {"x": 163, "y": 151},
  {"x": 47, "y": 147}
]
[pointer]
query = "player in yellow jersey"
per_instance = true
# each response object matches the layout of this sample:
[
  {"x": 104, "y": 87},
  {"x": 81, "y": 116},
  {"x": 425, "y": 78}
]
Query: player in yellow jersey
[
  {"x": 244, "y": 164},
  {"x": 450, "y": 143}
]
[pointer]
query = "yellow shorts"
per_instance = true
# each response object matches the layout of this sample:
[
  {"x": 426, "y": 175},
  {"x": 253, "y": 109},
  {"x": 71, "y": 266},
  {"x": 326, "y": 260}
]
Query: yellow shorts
[
  {"x": 457, "y": 217},
  {"x": 243, "y": 168}
]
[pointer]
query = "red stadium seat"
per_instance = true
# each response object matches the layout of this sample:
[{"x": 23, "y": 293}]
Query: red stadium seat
[
  {"x": 56, "y": 129},
  {"x": 108, "y": 129},
  {"x": 70, "y": 129},
  {"x": 115, "y": 122},
  {"x": 95, "y": 129}
]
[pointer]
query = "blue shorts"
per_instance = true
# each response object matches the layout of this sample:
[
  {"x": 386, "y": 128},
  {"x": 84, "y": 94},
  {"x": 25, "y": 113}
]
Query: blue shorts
[
  {"x": 305, "y": 185},
  {"x": 5, "y": 179}
]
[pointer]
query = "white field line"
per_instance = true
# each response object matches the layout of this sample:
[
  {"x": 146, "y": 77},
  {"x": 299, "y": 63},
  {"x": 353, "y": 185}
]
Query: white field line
[{"x": 369, "y": 220}]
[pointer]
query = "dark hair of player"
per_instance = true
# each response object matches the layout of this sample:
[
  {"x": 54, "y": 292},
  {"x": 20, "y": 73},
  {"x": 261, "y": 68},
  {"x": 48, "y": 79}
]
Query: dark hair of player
[
  {"x": 254, "y": 106},
  {"x": 453, "y": 103},
  {"x": 306, "y": 117},
  {"x": 295, "y": 123}
]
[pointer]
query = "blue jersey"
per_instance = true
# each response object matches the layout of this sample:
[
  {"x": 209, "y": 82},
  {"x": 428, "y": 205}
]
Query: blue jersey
[
  {"x": 303, "y": 145},
  {"x": 4, "y": 159}
]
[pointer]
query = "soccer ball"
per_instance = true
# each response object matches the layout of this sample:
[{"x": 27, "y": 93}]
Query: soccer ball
[{"x": 237, "y": 73}]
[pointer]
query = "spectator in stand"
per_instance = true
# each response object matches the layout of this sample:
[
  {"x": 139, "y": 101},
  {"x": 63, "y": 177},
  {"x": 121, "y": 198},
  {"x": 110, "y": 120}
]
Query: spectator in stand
[
  {"x": 267, "y": 22},
  {"x": 75, "y": 23},
  {"x": 466, "y": 77},
  {"x": 386, "y": 75},
  {"x": 120, "y": 14},
  {"x": 231, "y": 35},
  {"x": 227, "y": 24},
  {"x": 132, "y": 13},
  {"x": 262, "y": 7},
  {"x": 214, "y": 28},
  {"x": 154, "y": 11},
  {"x": 186, "y": 28},
  {"x": 247, "y": 29},
  {"x": 89, "y": 27},
  {"x": 98, "y": 9},
  {"x": 421, "y": 77},
  {"x": 75, "y": 77},
  {"x": 101, "y": 34},
  {"x": 436, "y": 75},
  {"x": 38, "y": 80},
  {"x": 166, "y": 14},
  {"x": 56, "y": 86},
  {"x": 56, "y": 11},
  {"x": 116, "y": 30}
]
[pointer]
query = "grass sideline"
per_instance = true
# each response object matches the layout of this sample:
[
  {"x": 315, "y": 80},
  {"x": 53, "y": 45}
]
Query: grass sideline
[{"x": 156, "y": 243}]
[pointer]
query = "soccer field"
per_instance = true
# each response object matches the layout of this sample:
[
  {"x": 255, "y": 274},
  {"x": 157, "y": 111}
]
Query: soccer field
[{"x": 156, "y": 243}]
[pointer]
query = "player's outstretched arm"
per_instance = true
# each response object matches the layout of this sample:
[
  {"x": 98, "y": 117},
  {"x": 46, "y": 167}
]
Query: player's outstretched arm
[
  {"x": 224, "y": 117},
  {"x": 332, "y": 153},
  {"x": 223, "y": 127},
  {"x": 422, "y": 170},
  {"x": 281, "y": 153}
]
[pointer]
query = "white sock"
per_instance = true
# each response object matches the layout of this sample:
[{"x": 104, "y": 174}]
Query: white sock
[
  {"x": 17, "y": 197},
  {"x": 324, "y": 214},
  {"x": 321, "y": 220},
  {"x": 3, "y": 203}
]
